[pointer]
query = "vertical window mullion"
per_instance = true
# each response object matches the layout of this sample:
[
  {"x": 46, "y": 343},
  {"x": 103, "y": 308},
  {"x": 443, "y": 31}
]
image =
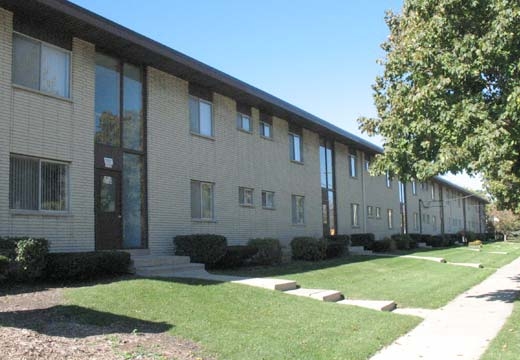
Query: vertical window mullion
[{"x": 39, "y": 184}]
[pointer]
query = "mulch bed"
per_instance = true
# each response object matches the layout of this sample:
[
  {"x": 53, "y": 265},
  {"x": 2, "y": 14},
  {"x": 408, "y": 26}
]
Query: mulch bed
[{"x": 32, "y": 327}]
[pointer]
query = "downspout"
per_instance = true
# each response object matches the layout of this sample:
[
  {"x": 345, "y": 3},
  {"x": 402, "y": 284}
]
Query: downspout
[
  {"x": 441, "y": 215},
  {"x": 464, "y": 214},
  {"x": 363, "y": 192},
  {"x": 420, "y": 216}
]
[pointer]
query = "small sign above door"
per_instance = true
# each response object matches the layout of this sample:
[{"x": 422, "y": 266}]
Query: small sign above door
[{"x": 109, "y": 162}]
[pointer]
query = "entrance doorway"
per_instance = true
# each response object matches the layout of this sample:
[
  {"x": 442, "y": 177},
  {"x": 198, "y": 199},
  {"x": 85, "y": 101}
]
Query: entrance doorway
[{"x": 108, "y": 209}]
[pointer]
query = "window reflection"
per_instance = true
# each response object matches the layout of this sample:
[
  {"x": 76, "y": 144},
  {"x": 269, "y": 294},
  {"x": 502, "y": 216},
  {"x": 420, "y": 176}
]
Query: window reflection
[{"x": 107, "y": 101}]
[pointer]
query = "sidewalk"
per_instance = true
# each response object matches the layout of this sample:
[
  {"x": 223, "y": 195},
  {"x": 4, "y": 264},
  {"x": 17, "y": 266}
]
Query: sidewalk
[{"x": 464, "y": 327}]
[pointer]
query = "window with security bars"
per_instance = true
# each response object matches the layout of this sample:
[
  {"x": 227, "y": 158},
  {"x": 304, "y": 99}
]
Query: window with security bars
[{"x": 36, "y": 184}]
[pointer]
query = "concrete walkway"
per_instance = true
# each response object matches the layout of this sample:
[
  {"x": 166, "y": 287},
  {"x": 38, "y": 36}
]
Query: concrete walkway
[{"x": 463, "y": 328}]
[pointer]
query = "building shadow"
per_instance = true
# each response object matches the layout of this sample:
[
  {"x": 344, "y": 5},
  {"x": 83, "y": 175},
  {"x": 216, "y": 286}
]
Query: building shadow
[{"x": 72, "y": 321}]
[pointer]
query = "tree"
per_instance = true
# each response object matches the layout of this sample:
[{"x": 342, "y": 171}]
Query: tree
[
  {"x": 449, "y": 97},
  {"x": 504, "y": 221}
]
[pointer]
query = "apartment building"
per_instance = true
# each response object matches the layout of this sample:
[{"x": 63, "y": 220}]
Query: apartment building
[{"x": 113, "y": 141}]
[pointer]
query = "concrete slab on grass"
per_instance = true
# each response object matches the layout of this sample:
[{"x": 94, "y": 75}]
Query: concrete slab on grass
[
  {"x": 318, "y": 294},
  {"x": 472, "y": 265},
  {"x": 379, "y": 305},
  {"x": 429, "y": 258}
]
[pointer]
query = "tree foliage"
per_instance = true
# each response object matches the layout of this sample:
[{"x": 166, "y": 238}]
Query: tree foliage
[
  {"x": 504, "y": 221},
  {"x": 449, "y": 97}
]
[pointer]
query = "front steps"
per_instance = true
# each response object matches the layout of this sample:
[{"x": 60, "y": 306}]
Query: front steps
[{"x": 162, "y": 265}]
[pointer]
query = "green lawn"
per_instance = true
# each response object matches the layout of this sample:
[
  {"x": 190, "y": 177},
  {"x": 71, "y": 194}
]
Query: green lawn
[
  {"x": 234, "y": 321},
  {"x": 506, "y": 346},
  {"x": 239, "y": 322},
  {"x": 409, "y": 282}
]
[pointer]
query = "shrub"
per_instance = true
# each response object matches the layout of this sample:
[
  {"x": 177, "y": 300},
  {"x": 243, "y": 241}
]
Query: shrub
[
  {"x": 336, "y": 245},
  {"x": 471, "y": 236},
  {"x": 269, "y": 251},
  {"x": 308, "y": 248},
  {"x": 4, "y": 266},
  {"x": 30, "y": 258},
  {"x": 201, "y": 248},
  {"x": 365, "y": 240},
  {"x": 382, "y": 245},
  {"x": 8, "y": 247},
  {"x": 435, "y": 241},
  {"x": 402, "y": 241},
  {"x": 235, "y": 256},
  {"x": 86, "y": 265}
]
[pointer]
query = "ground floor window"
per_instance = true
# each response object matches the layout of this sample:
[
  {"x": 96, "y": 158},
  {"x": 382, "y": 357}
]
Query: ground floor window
[
  {"x": 37, "y": 184},
  {"x": 354, "y": 210},
  {"x": 298, "y": 209},
  {"x": 202, "y": 200},
  {"x": 245, "y": 196},
  {"x": 390, "y": 214},
  {"x": 268, "y": 199}
]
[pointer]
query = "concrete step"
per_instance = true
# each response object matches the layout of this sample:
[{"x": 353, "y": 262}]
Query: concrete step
[
  {"x": 137, "y": 252},
  {"x": 157, "y": 260},
  {"x": 429, "y": 258},
  {"x": 318, "y": 294},
  {"x": 271, "y": 284},
  {"x": 168, "y": 270},
  {"x": 379, "y": 305}
]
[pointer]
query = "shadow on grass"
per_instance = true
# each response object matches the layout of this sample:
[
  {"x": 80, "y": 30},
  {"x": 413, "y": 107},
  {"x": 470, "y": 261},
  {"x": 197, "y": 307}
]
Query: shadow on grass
[
  {"x": 13, "y": 288},
  {"x": 297, "y": 266},
  {"x": 185, "y": 281},
  {"x": 506, "y": 296},
  {"x": 75, "y": 321}
]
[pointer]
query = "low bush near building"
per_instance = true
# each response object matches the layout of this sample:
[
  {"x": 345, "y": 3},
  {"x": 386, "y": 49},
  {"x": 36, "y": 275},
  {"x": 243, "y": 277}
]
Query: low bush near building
[
  {"x": 336, "y": 245},
  {"x": 201, "y": 248},
  {"x": 382, "y": 245},
  {"x": 308, "y": 248},
  {"x": 26, "y": 257},
  {"x": 435, "y": 241},
  {"x": 365, "y": 240},
  {"x": 269, "y": 251},
  {"x": 403, "y": 241},
  {"x": 4, "y": 266},
  {"x": 235, "y": 256},
  {"x": 86, "y": 265}
]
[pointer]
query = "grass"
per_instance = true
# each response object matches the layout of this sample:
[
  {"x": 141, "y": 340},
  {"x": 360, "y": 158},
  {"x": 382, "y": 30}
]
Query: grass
[
  {"x": 506, "y": 346},
  {"x": 409, "y": 282},
  {"x": 232, "y": 321},
  {"x": 238, "y": 322}
]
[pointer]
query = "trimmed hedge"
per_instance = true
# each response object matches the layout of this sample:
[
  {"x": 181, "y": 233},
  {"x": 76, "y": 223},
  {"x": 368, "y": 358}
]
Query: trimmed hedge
[
  {"x": 308, "y": 248},
  {"x": 201, "y": 248},
  {"x": 4, "y": 266},
  {"x": 403, "y": 241},
  {"x": 86, "y": 265},
  {"x": 269, "y": 251},
  {"x": 382, "y": 245},
  {"x": 336, "y": 245},
  {"x": 235, "y": 256},
  {"x": 365, "y": 240}
]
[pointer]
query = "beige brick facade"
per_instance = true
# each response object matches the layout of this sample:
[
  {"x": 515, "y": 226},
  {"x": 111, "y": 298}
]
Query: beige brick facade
[{"x": 36, "y": 124}]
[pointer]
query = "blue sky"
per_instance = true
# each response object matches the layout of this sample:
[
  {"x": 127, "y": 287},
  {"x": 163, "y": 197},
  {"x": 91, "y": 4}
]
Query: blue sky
[{"x": 318, "y": 55}]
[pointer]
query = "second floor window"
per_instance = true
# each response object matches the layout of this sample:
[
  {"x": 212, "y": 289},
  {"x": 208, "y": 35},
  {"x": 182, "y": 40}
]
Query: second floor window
[
  {"x": 244, "y": 122},
  {"x": 414, "y": 187},
  {"x": 266, "y": 130},
  {"x": 41, "y": 66},
  {"x": 388, "y": 180},
  {"x": 201, "y": 116},
  {"x": 352, "y": 160},
  {"x": 296, "y": 146}
]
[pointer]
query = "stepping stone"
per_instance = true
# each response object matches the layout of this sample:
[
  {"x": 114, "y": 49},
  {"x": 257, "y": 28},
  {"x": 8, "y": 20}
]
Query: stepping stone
[
  {"x": 429, "y": 258},
  {"x": 473, "y": 265},
  {"x": 271, "y": 284},
  {"x": 379, "y": 305},
  {"x": 423, "y": 313},
  {"x": 498, "y": 252},
  {"x": 472, "y": 249},
  {"x": 318, "y": 294}
]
